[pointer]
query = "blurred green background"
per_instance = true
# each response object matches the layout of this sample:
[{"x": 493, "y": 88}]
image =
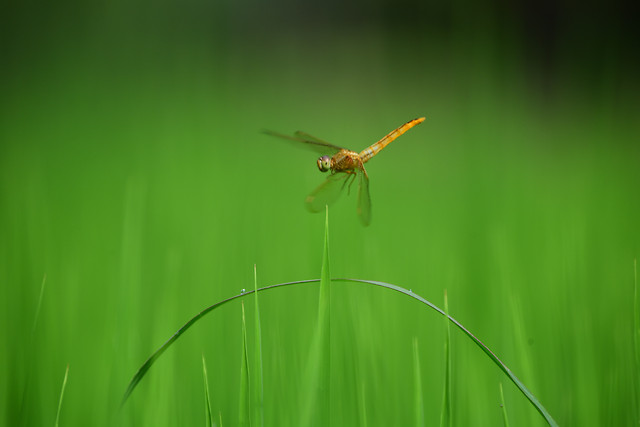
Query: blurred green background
[{"x": 134, "y": 176}]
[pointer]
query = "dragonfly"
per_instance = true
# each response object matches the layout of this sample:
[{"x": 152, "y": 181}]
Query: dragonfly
[{"x": 346, "y": 166}]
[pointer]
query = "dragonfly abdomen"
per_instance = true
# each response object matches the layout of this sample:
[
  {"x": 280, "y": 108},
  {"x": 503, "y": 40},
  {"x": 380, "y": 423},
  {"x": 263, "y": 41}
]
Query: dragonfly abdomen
[{"x": 374, "y": 149}]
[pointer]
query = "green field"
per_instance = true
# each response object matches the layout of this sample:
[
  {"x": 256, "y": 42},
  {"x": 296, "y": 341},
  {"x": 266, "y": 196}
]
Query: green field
[{"x": 136, "y": 184}]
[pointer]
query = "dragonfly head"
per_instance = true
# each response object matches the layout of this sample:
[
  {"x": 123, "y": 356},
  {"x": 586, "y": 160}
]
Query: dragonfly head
[{"x": 324, "y": 163}]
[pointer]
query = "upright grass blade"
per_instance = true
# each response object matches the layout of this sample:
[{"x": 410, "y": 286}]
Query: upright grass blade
[
  {"x": 316, "y": 403},
  {"x": 64, "y": 384},
  {"x": 541, "y": 409},
  {"x": 244, "y": 415},
  {"x": 37, "y": 314},
  {"x": 207, "y": 399},
  {"x": 445, "y": 416},
  {"x": 32, "y": 341},
  {"x": 258, "y": 390},
  {"x": 151, "y": 360},
  {"x": 504, "y": 408},
  {"x": 144, "y": 368},
  {"x": 417, "y": 385},
  {"x": 636, "y": 335},
  {"x": 363, "y": 406}
]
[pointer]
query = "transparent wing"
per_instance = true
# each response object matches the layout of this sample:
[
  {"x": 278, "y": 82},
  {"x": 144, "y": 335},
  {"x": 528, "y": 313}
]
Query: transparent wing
[
  {"x": 327, "y": 192},
  {"x": 311, "y": 142},
  {"x": 364, "y": 199},
  {"x": 308, "y": 137}
]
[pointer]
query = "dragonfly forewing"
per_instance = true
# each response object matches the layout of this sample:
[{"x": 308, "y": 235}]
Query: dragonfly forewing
[
  {"x": 308, "y": 141},
  {"x": 327, "y": 192}
]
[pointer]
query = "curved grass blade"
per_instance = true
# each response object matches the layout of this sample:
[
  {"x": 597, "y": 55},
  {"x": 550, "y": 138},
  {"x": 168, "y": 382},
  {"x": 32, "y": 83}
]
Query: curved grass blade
[
  {"x": 541, "y": 409},
  {"x": 141, "y": 372},
  {"x": 149, "y": 362}
]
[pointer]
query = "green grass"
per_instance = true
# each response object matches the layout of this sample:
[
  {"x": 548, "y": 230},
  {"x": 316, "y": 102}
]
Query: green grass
[
  {"x": 64, "y": 384},
  {"x": 134, "y": 177},
  {"x": 207, "y": 399},
  {"x": 244, "y": 412},
  {"x": 258, "y": 387},
  {"x": 505, "y": 418},
  {"x": 445, "y": 414},
  {"x": 417, "y": 387},
  {"x": 316, "y": 382}
]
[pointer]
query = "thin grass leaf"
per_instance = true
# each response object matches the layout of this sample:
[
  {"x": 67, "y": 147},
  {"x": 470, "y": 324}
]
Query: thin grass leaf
[
  {"x": 504, "y": 408},
  {"x": 316, "y": 408},
  {"x": 636, "y": 335},
  {"x": 149, "y": 362},
  {"x": 363, "y": 406},
  {"x": 541, "y": 409},
  {"x": 32, "y": 340},
  {"x": 417, "y": 385},
  {"x": 258, "y": 390},
  {"x": 244, "y": 415},
  {"x": 445, "y": 416},
  {"x": 37, "y": 314},
  {"x": 207, "y": 399},
  {"x": 144, "y": 368},
  {"x": 64, "y": 384},
  {"x": 324, "y": 318},
  {"x": 520, "y": 338}
]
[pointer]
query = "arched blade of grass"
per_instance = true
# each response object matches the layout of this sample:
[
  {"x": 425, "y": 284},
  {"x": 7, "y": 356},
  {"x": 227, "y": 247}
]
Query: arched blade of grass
[
  {"x": 142, "y": 371},
  {"x": 64, "y": 384},
  {"x": 207, "y": 399},
  {"x": 149, "y": 362},
  {"x": 445, "y": 417},
  {"x": 479, "y": 343}
]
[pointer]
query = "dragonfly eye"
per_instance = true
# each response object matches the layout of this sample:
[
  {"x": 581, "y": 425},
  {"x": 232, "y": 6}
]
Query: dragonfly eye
[{"x": 324, "y": 163}]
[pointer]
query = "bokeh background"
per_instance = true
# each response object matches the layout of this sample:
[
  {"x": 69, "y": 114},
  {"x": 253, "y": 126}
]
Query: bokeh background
[{"x": 135, "y": 179}]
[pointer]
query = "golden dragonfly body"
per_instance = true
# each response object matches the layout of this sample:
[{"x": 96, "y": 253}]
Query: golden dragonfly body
[{"x": 344, "y": 165}]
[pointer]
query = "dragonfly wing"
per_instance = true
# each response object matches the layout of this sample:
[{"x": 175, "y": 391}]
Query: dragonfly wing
[
  {"x": 307, "y": 137},
  {"x": 313, "y": 143},
  {"x": 327, "y": 192},
  {"x": 364, "y": 199}
]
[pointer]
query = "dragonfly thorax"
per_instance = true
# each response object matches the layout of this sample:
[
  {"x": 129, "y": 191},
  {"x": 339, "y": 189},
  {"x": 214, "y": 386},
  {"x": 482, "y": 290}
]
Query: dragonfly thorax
[{"x": 324, "y": 163}]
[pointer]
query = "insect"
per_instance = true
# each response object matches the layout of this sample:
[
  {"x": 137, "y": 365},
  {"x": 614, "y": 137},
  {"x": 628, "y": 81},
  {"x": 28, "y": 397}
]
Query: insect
[{"x": 345, "y": 166}]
